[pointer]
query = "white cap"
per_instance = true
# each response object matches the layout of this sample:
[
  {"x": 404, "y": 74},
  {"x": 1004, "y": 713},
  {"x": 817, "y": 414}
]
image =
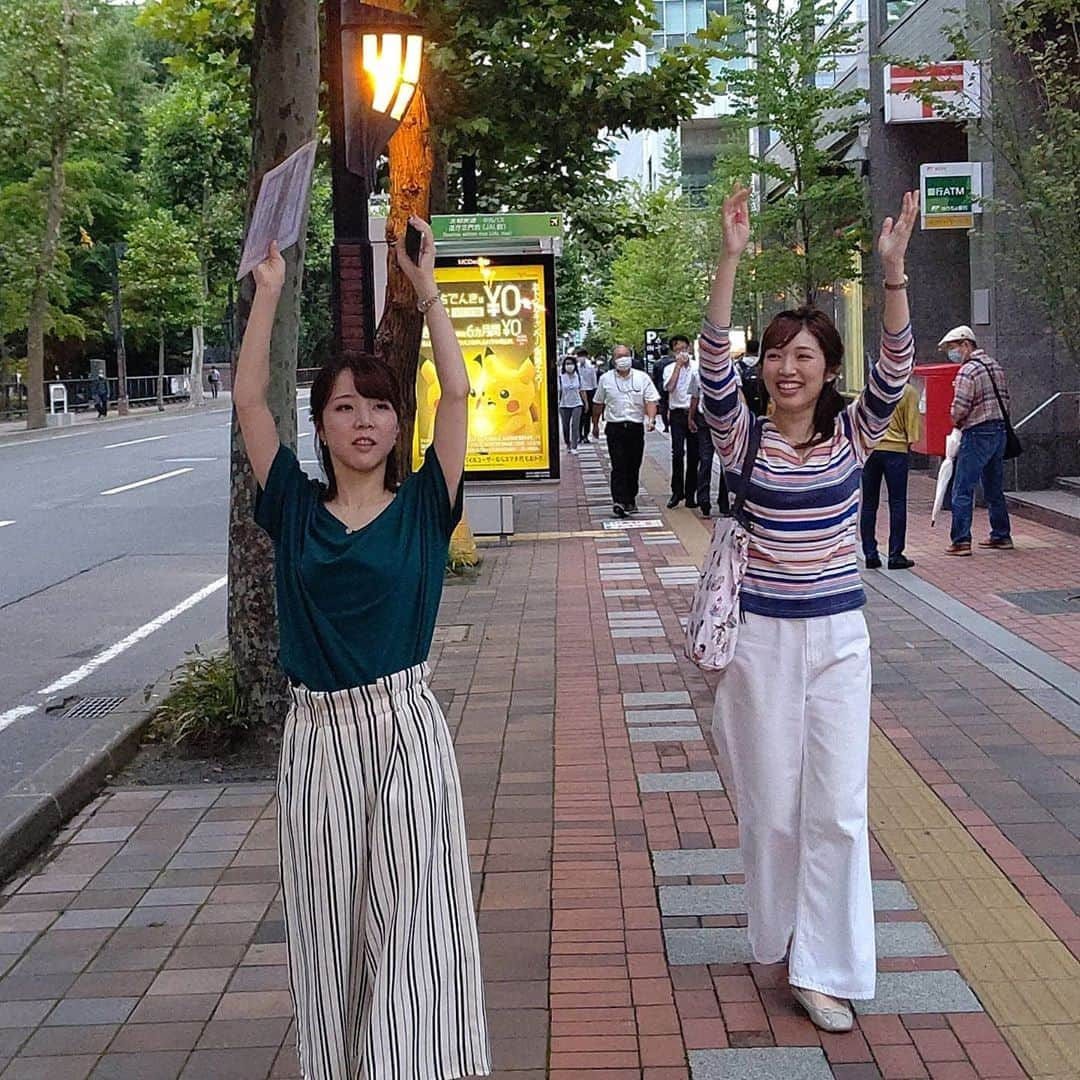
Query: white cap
[{"x": 958, "y": 333}]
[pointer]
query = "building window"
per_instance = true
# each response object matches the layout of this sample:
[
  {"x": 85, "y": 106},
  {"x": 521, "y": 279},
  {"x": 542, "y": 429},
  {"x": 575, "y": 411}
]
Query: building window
[
  {"x": 680, "y": 21},
  {"x": 897, "y": 9}
]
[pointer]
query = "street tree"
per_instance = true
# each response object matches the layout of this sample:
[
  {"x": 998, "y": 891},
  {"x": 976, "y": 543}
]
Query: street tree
[
  {"x": 660, "y": 279},
  {"x": 285, "y": 116},
  {"x": 195, "y": 163},
  {"x": 779, "y": 63},
  {"x": 56, "y": 101},
  {"x": 525, "y": 95},
  {"x": 162, "y": 282}
]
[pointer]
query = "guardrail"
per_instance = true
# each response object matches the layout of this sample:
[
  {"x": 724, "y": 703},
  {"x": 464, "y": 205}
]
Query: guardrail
[
  {"x": 1053, "y": 423},
  {"x": 142, "y": 391}
]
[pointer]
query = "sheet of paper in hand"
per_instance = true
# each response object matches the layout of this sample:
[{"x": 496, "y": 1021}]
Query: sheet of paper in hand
[{"x": 281, "y": 210}]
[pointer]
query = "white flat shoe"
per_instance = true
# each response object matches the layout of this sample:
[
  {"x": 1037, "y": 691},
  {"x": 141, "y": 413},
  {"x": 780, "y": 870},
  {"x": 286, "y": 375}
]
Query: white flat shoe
[{"x": 832, "y": 1018}]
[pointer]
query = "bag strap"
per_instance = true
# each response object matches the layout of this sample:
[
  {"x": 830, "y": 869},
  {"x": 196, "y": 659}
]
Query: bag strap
[
  {"x": 997, "y": 392},
  {"x": 753, "y": 444}
]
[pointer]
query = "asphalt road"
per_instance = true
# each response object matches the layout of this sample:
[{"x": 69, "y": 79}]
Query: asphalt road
[{"x": 113, "y": 546}]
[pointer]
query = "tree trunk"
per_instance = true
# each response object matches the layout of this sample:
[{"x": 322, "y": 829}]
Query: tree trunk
[
  {"x": 397, "y": 339},
  {"x": 39, "y": 295},
  {"x": 285, "y": 105},
  {"x": 54, "y": 214},
  {"x": 198, "y": 348},
  {"x": 161, "y": 369}
]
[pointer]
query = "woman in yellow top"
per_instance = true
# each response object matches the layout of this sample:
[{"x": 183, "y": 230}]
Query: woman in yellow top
[{"x": 890, "y": 461}]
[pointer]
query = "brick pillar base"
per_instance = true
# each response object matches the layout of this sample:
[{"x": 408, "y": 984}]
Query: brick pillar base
[{"x": 354, "y": 295}]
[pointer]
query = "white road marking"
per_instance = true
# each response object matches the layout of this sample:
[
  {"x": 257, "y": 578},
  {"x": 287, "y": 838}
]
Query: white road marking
[
  {"x": 143, "y": 483},
  {"x": 4, "y": 523},
  {"x": 305, "y": 435},
  {"x": 135, "y": 442},
  {"x": 8, "y": 718},
  {"x": 144, "y": 631},
  {"x": 181, "y": 460},
  {"x": 46, "y": 438}
]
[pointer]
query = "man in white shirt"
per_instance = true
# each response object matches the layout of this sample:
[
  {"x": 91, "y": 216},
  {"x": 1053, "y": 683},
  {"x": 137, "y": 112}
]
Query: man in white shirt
[
  {"x": 587, "y": 374},
  {"x": 627, "y": 400},
  {"x": 680, "y": 384}
]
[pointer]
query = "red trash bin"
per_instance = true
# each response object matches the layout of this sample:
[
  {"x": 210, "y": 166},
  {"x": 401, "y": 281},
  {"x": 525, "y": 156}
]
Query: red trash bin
[{"x": 935, "y": 385}]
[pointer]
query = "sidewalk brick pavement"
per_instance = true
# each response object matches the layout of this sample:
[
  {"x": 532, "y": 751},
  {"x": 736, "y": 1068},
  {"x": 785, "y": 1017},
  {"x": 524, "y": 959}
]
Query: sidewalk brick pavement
[{"x": 147, "y": 940}]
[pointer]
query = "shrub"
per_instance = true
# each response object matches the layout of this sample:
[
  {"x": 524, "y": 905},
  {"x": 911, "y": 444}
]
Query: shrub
[{"x": 204, "y": 706}]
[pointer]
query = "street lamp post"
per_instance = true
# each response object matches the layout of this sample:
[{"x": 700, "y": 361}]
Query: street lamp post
[
  {"x": 375, "y": 59},
  {"x": 119, "y": 249}
]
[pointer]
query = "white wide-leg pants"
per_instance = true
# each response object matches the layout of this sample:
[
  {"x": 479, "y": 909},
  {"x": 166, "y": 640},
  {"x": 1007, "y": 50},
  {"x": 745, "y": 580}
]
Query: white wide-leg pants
[
  {"x": 384, "y": 962},
  {"x": 792, "y": 722}
]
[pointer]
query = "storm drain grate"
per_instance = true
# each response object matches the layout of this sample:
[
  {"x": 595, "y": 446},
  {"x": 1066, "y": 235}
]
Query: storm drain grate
[
  {"x": 91, "y": 708},
  {"x": 1047, "y": 601}
]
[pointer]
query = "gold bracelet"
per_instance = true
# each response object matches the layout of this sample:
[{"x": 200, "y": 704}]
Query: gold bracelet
[{"x": 424, "y": 306}]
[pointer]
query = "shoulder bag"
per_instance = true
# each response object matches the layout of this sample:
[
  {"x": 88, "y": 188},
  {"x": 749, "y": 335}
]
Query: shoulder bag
[
  {"x": 1013, "y": 446},
  {"x": 712, "y": 629}
]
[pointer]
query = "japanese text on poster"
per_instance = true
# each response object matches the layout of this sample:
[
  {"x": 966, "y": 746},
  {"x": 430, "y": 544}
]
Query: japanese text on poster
[{"x": 499, "y": 314}]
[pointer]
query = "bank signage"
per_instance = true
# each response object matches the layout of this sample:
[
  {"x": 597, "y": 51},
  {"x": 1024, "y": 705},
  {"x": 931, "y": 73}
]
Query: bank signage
[
  {"x": 936, "y": 92},
  {"x": 950, "y": 194}
]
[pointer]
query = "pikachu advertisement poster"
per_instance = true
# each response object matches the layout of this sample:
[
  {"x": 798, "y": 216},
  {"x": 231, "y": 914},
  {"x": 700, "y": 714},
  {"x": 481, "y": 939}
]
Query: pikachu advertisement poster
[{"x": 501, "y": 316}]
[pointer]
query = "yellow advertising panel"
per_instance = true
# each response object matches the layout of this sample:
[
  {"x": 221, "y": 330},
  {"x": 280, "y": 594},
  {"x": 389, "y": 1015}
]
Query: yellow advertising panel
[{"x": 502, "y": 319}]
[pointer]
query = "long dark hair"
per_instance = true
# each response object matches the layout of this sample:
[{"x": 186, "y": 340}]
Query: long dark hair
[
  {"x": 372, "y": 379},
  {"x": 830, "y": 402}
]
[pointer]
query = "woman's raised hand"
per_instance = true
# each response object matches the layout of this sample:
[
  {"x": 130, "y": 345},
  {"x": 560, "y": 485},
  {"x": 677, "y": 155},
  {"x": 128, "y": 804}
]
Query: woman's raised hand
[
  {"x": 270, "y": 273},
  {"x": 736, "y": 220},
  {"x": 422, "y": 272},
  {"x": 893, "y": 242}
]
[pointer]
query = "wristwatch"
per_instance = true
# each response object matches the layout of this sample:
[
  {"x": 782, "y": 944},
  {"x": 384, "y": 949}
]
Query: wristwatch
[
  {"x": 898, "y": 285},
  {"x": 424, "y": 306}
]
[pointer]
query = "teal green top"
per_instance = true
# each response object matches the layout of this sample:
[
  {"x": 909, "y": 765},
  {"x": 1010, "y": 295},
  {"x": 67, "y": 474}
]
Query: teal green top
[{"x": 355, "y": 607}]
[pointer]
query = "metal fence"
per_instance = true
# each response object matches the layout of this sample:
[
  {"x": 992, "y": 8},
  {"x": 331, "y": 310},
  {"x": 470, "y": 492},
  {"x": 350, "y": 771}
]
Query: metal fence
[{"x": 142, "y": 390}]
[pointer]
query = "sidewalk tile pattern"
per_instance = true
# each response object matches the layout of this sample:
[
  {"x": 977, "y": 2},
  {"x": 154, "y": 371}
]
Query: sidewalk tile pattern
[{"x": 147, "y": 941}]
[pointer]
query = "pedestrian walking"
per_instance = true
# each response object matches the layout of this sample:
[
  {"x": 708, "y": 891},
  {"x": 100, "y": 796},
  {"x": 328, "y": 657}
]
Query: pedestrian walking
[
  {"x": 702, "y": 435},
  {"x": 99, "y": 394},
  {"x": 792, "y": 712},
  {"x": 890, "y": 462},
  {"x": 626, "y": 399},
  {"x": 589, "y": 377},
  {"x": 571, "y": 403},
  {"x": 980, "y": 409},
  {"x": 381, "y": 936},
  {"x": 214, "y": 378},
  {"x": 680, "y": 382}
]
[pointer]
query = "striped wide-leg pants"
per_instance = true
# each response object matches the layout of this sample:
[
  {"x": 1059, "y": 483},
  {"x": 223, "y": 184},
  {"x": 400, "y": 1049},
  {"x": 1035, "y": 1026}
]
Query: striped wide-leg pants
[{"x": 384, "y": 961}]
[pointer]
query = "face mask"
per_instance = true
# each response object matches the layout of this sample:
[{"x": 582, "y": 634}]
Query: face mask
[
  {"x": 955, "y": 356},
  {"x": 569, "y": 369},
  {"x": 750, "y": 359},
  {"x": 622, "y": 363}
]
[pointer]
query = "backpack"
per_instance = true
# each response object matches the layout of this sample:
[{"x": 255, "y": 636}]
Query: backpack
[{"x": 753, "y": 387}]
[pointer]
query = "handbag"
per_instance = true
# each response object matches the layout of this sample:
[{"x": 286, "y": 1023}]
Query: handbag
[
  {"x": 1013, "y": 446},
  {"x": 712, "y": 628}
]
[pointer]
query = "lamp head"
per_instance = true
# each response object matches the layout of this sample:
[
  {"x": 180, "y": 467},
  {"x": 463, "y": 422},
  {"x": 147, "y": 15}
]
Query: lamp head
[{"x": 382, "y": 57}]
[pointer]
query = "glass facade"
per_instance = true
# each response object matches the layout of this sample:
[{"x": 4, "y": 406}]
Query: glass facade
[{"x": 680, "y": 21}]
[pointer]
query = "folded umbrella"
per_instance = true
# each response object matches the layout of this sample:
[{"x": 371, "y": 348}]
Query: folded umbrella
[{"x": 952, "y": 448}]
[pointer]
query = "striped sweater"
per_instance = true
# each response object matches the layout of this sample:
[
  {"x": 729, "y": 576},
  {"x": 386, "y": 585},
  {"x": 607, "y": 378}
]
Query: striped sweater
[{"x": 802, "y": 513}]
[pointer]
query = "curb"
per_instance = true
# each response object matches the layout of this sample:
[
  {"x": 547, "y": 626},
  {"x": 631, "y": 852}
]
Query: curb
[
  {"x": 39, "y": 805},
  {"x": 44, "y": 434}
]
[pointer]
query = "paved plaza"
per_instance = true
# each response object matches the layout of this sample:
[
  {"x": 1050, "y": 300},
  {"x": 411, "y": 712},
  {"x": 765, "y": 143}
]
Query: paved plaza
[{"x": 147, "y": 941}]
